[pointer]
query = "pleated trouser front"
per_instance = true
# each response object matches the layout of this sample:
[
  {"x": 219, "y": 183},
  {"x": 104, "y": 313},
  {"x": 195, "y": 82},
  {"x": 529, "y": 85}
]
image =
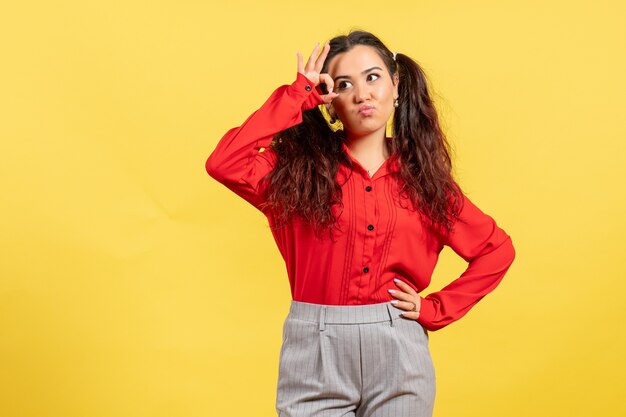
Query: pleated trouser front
[{"x": 354, "y": 360}]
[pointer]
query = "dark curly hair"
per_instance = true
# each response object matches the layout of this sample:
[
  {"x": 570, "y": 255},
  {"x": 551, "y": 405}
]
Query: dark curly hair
[{"x": 303, "y": 180}]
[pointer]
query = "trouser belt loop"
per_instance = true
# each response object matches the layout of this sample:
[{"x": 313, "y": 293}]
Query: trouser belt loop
[
  {"x": 322, "y": 318},
  {"x": 389, "y": 307}
]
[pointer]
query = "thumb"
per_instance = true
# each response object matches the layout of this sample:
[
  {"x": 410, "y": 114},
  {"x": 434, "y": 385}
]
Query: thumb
[{"x": 328, "y": 98}]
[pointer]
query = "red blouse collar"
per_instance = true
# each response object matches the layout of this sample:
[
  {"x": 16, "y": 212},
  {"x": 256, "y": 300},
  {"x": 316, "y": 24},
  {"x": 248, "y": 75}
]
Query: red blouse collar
[{"x": 391, "y": 165}]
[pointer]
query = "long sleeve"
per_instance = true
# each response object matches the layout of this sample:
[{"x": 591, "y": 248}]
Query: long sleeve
[
  {"x": 237, "y": 161},
  {"x": 489, "y": 252}
]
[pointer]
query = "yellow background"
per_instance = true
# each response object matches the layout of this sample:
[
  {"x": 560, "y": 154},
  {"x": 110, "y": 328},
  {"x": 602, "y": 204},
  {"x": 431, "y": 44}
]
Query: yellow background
[{"x": 133, "y": 284}]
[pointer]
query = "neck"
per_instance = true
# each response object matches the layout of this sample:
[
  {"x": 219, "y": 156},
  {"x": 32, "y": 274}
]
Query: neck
[{"x": 371, "y": 148}]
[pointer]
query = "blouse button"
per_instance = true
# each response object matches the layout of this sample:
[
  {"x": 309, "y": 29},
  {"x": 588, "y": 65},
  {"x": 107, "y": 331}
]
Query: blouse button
[
  {"x": 368, "y": 188},
  {"x": 366, "y": 269},
  {"x": 370, "y": 227},
  {"x": 307, "y": 88}
]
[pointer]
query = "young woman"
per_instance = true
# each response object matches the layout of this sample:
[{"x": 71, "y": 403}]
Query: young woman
[{"x": 360, "y": 216}]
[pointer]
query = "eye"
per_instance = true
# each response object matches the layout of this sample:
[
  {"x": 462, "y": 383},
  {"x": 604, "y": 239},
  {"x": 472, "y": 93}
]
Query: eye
[{"x": 341, "y": 85}]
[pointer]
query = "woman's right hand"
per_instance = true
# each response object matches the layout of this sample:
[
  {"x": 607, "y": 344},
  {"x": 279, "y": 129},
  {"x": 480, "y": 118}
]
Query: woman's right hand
[{"x": 313, "y": 68}]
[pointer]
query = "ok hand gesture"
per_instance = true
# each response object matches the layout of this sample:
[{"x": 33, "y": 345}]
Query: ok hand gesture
[{"x": 313, "y": 68}]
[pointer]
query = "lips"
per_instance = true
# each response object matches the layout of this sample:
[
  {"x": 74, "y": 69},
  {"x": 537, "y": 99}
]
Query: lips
[{"x": 366, "y": 109}]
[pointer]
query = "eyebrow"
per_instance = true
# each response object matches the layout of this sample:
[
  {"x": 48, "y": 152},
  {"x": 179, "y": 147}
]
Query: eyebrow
[{"x": 362, "y": 72}]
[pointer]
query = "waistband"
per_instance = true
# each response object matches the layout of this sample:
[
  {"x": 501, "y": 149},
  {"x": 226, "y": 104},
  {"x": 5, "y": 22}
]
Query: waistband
[{"x": 344, "y": 314}]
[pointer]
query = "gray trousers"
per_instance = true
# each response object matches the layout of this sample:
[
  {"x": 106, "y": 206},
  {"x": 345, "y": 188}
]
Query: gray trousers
[{"x": 354, "y": 360}]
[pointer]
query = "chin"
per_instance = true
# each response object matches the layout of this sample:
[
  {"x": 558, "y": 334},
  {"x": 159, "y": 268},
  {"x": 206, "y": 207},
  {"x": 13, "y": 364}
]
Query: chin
[{"x": 365, "y": 126}]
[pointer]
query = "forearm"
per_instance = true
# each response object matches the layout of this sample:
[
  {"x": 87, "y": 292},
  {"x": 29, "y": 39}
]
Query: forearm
[
  {"x": 236, "y": 161},
  {"x": 481, "y": 277}
]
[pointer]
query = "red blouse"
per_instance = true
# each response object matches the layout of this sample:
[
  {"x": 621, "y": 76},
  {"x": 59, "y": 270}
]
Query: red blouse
[{"x": 380, "y": 237}]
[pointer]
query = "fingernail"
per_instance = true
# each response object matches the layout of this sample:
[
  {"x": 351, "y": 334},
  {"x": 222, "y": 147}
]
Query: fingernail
[
  {"x": 396, "y": 280},
  {"x": 394, "y": 301},
  {"x": 392, "y": 291}
]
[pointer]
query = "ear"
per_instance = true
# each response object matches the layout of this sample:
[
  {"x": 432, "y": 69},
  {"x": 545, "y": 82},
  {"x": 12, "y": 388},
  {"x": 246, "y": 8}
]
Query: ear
[{"x": 396, "y": 79}]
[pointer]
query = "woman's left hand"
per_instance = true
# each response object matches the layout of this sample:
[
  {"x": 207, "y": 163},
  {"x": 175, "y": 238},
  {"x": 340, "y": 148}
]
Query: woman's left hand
[{"x": 408, "y": 299}]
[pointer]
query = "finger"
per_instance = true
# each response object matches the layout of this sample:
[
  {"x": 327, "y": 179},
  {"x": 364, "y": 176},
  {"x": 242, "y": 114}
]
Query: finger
[
  {"x": 310, "y": 63},
  {"x": 401, "y": 295},
  {"x": 327, "y": 79},
  {"x": 319, "y": 63},
  {"x": 413, "y": 315},
  {"x": 328, "y": 98},
  {"x": 403, "y": 285},
  {"x": 404, "y": 305},
  {"x": 300, "y": 63}
]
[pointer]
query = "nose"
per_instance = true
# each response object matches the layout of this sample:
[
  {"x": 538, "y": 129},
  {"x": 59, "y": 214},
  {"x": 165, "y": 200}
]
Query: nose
[{"x": 361, "y": 92}]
